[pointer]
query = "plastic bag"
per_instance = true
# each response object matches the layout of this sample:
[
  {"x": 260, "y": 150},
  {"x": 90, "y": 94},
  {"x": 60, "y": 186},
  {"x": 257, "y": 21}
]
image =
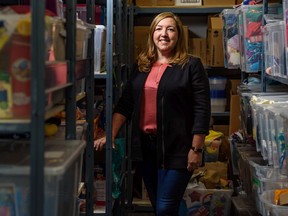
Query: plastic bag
[{"x": 118, "y": 154}]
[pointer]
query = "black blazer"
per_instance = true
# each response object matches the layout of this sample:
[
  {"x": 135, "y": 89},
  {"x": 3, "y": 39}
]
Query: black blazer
[{"x": 183, "y": 109}]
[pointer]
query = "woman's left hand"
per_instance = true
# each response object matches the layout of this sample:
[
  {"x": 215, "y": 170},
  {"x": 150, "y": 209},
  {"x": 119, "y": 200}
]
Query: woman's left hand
[{"x": 194, "y": 160}]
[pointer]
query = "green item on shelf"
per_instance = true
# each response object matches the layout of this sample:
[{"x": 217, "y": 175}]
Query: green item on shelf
[{"x": 118, "y": 154}]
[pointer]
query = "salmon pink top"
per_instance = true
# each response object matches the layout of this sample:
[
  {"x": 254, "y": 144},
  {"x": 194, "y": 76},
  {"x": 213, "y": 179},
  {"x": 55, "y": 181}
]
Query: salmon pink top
[{"x": 148, "y": 107}]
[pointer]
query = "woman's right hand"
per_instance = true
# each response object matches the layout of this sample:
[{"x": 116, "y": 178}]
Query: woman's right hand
[{"x": 99, "y": 143}]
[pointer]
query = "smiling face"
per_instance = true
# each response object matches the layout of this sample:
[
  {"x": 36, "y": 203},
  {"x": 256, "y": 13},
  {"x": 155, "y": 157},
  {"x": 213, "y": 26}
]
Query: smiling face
[{"x": 165, "y": 36}]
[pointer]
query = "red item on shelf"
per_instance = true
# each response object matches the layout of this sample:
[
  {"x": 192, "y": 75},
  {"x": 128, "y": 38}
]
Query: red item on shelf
[
  {"x": 23, "y": 9},
  {"x": 20, "y": 72}
]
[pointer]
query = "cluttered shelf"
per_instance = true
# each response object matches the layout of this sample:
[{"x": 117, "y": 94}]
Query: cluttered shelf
[{"x": 181, "y": 9}]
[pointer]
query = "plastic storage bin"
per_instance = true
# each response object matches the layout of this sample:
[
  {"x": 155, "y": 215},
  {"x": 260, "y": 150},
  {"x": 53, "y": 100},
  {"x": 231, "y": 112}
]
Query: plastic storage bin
[
  {"x": 83, "y": 33},
  {"x": 63, "y": 163},
  {"x": 100, "y": 48},
  {"x": 230, "y": 38},
  {"x": 257, "y": 164},
  {"x": 277, "y": 136},
  {"x": 271, "y": 209},
  {"x": 217, "y": 83},
  {"x": 218, "y": 100},
  {"x": 252, "y": 16},
  {"x": 274, "y": 51},
  {"x": 285, "y": 18}
]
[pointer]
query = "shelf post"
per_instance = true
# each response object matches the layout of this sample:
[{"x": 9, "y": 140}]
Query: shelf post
[
  {"x": 109, "y": 104},
  {"x": 89, "y": 86},
  {"x": 37, "y": 104},
  {"x": 70, "y": 105}
]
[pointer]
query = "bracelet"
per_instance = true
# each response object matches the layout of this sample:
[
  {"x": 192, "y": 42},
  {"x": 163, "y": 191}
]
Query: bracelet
[{"x": 196, "y": 149}]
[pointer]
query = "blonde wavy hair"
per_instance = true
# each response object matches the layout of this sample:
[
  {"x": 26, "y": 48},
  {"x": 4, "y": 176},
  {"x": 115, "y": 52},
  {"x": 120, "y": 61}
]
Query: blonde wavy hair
[{"x": 149, "y": 56}]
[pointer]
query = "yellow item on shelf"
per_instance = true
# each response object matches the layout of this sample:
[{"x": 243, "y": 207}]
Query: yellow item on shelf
[
  {"x": 50, "y": 129},
  {"x": 24, "y": 27},
  {"x": 213, "y": 141}
]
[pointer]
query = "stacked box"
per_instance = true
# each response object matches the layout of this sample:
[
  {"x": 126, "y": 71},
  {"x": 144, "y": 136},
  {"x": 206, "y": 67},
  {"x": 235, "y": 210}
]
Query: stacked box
[
  {"x": 215, "y": 56},
  {"x": 155, "y": 2},
  {"x": 198, "y": 48},
  {"x": 218, "y": 2}
]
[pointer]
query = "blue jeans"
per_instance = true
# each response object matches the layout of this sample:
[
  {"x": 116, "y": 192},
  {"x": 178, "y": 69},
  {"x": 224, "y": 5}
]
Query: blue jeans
[{"x": 165, "y": 187}]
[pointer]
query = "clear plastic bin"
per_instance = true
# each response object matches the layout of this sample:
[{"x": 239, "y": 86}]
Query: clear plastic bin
[
  {"x": 230, "y": 38},
  {"x": 244, "y": 170},
  {"x": 251, "y": 40},
  {"x": 218, "y": 104},
  {"x": 83, "y": 33},
  {"x": 260, "y": 107},
  {"x": 276, "y": 132},
  {"x": 240, "y": 20},
  {"x": 285, "y": 18},
  {"x": 271, "y": 209},
  {"x": 270, "y": 184},
  {"x": 283, "y": 141},
  {"x": 217, "y": 83},
  {"x": 266, "y": 145},
  {"x": 235, "y": 153},
  {"x": 252, "y": 37},
  {"x": 254, "y": 164},
  {"x": 63, "y": 164},
  {"x": 268, "y": 56},
  {"x": 100, "y": 48},
  {"x": 274, "y": 48}
]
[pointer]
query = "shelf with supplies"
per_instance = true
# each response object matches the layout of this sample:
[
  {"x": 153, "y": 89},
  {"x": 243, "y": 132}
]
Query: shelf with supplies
[
  {"x": 100, "y": 75},
  {"x": 220, "y": 114},
  {"x": 51, "y": 87},
  {"x": 278, "y": 79},
  {"x": 180, "y": 9}
]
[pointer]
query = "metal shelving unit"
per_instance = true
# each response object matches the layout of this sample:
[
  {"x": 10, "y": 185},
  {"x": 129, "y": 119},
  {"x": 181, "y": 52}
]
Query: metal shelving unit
[
  {"x": 35, "y": 125},
  {"x": 115, "y": 20}
]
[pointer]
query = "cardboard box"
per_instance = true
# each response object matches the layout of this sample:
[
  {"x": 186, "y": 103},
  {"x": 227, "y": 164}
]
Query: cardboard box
[
  {"x": 165, "y": 2},
  {"x": 222, "y": 128},
  {"x": 155, "y": 2},
  {"x": 197, "y": 47},
  {"x": 145, "y": 195},
  {"x": 215, "y": 50},
  {"x": 140, "y": 38},
  {"x": 235, "y": 123},
  {"x": 188, "y": 3},
  {"x": 218, "y": 2},
  {"x": 232, "y": 86}
]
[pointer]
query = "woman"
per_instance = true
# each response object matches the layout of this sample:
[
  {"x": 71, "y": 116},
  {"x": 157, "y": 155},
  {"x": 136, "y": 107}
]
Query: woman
[{"x": 167, "y": 102}]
